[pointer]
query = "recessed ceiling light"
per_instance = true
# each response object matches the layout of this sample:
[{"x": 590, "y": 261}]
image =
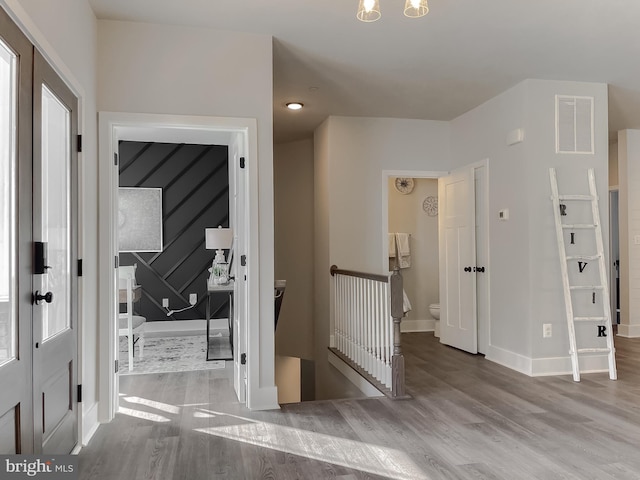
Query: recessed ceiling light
[{"x": 294, "y": 105}]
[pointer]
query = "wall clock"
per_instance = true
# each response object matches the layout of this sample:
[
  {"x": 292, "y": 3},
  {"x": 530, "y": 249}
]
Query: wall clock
[
  {"x": 430, "y": 206},
  {"x": 404, "y": 185}
]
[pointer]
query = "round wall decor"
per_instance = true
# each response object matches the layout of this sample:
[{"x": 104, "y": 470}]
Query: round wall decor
[
  {"x": 430, "y": 206},
  {"x": 404, "y": 185}
]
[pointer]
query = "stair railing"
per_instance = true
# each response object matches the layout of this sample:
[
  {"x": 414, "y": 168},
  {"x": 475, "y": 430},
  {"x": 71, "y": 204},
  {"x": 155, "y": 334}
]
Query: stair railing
[{"x": 367, "y": 311}]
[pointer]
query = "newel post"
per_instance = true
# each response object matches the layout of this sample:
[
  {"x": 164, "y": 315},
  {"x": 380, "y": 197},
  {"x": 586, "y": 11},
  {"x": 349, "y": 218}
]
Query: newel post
[{"x": 397, "y": 312}]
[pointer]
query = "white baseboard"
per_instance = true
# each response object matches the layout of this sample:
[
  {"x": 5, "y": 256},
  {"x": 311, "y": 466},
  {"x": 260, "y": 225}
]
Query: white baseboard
[
  {"x": 353, "y": 376},
  {"x": 90, "y": 423},
  {"x": 540, "y": 367},
  {"x": 266, "y": 398},
  {"x": 427, "y": 325},
  {"x": 629, "y": 331},
  {"x": 509, "y": 359}
]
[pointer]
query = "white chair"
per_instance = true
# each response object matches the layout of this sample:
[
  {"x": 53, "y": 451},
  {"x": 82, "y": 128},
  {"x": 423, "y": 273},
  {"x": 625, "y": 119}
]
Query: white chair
[{"x": 128, "y": 323}]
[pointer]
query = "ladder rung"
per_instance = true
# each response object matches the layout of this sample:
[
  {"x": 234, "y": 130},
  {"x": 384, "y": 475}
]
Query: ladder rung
[
  {"x": 586, "y": 287},
  {"x": 593, "y": 350},
  {"x": 577, "y": 197},
  {"x": 573, "y": 226},
  {"x": 583, "y": 257},
  {"x": 589, "y": 319}
]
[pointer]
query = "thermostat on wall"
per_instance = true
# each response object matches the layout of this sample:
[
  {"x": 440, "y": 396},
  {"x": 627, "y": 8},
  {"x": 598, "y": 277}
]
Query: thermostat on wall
[{"x": 503, "y": 214}]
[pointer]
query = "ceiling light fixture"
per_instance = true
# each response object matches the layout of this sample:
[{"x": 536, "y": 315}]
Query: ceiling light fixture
[
  {"x": 369, "y": 10},
  {"x": 295, "y": 105}
]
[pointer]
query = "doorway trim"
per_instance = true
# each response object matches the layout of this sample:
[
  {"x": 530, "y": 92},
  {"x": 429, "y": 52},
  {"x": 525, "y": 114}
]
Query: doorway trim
[{"x": 116, "y": 126}]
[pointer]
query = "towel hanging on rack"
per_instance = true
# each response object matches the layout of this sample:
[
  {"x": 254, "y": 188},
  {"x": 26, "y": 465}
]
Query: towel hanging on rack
[{"x": 403, "y": 250}]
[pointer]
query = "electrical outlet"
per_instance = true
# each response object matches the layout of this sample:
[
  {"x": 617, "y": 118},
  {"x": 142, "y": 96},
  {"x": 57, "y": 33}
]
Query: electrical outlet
[
  {"x": 165, "y": 303},
  {"x": 546, "y": 330},
  {"x": 193, "y": 298}
]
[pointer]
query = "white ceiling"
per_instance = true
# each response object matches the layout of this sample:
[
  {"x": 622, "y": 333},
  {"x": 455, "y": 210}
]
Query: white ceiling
[{"x": 436, "y": 67}]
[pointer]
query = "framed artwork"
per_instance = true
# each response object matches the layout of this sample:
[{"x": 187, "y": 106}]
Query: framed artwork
[{"x": 139, "y": 219}]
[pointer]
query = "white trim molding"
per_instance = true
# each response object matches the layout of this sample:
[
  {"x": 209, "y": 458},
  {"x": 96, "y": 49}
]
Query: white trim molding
[
  {"x": 628, "y": 331},
  {"x": 416, "y": 325}
]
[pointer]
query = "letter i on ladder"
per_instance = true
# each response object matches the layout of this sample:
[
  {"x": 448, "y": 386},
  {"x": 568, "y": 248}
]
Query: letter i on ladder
[{"x": 563, "y": 210}]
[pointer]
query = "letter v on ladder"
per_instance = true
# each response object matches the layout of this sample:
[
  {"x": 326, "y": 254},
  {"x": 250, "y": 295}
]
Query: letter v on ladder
[{"x": 563, "y": 207}]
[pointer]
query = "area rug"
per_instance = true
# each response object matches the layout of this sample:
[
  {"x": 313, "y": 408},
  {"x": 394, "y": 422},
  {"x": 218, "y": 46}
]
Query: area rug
[{"x": 167, "y": 354}]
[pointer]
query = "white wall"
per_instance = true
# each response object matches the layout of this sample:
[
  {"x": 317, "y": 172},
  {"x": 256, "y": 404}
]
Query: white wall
[
  {"x": 524, "y": 272},
  {"x": 65, "y": 31},
  {"x": 293, "y": 205},
  {"x": 629, "y": 201},
  {"x": 148, "y": 68},
  {"x": 420, "y": 280},
  {"x": 351, "y": 154}
]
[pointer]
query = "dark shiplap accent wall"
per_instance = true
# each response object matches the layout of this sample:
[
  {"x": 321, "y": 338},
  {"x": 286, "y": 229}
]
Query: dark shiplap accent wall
[{"x": 195, "y": 195}]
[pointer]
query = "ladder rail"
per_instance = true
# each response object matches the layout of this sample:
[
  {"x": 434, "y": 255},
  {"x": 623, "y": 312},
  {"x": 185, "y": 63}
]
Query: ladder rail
[
  {"x": 606, "y": 302},
  {"x": 568, "y": 304}
]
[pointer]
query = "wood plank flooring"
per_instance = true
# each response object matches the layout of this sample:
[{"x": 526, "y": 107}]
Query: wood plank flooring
[{"x": 468, "y": 419}]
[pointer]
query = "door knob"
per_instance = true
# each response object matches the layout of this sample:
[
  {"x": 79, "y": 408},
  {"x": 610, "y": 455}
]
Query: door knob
[
  {"x": 38, "y": 297},
  {"x": 467, "y": 269},
  {"x": 480, "y": 269}
]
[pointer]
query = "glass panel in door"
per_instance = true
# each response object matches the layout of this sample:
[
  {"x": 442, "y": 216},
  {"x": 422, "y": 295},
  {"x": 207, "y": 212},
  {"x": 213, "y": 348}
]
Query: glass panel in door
[
  {"x": 56, "y": 213},
  {"x": 8, "y": 317}
]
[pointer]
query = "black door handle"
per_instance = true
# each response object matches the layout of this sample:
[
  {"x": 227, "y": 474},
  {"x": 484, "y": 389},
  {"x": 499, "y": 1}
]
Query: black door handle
[
  {"x": 38, "y": 297},
  {"x": 467, "y": 269},
  {"x": 480, "y": 269}
]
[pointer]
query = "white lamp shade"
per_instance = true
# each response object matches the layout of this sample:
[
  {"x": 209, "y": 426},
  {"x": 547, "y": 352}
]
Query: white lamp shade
[{"x": 218, "y": 238}]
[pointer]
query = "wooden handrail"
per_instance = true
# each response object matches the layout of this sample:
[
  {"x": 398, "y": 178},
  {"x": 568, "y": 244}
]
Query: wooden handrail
[{"x": 352, "y": 273}]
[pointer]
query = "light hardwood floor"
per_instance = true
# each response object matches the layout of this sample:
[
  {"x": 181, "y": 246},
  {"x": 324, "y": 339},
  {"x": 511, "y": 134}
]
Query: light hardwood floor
[{"x": 469, "y": 419}]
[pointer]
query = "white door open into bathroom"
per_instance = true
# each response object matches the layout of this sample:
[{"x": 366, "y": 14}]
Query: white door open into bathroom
[
  {"x": 458, "y": 320},
  {"x": 464, "y": 244}
]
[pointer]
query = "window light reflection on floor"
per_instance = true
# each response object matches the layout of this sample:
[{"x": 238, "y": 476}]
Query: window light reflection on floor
[{"x": 374, "y": 459}]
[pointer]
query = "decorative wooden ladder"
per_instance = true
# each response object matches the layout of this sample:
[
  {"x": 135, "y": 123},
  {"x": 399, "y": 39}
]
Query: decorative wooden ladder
[{"x": 560, "y": 210}]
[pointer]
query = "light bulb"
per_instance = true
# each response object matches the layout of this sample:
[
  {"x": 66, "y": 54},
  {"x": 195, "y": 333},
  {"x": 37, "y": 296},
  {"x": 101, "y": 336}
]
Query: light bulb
[
  {"x": 416, "y": 8},
  {"x": 368, "y": 10}
]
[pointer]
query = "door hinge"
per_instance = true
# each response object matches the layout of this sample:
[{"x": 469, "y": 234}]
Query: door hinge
[
  {"x": 79, "y": 144},
  {"x": 79, "y": 267},
  {"x": 117, "y": 366},
  {"x": 242, "y": 162},
  {"x": 243, "y": 359},
  {"x": 79, "y": 393},
  {"x": 115, "y": 159},
  {"x": 117, "y": 262},
  {"x": 243, "y": 260}
]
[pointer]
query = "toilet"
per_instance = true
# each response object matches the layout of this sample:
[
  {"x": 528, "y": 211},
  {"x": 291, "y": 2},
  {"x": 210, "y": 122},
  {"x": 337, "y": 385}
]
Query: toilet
[{"x": 434, "y": 310}]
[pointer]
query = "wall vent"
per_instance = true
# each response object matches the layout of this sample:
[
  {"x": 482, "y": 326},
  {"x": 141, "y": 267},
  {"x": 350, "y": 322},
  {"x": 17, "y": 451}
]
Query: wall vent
[{"x": 574, "y": 124}]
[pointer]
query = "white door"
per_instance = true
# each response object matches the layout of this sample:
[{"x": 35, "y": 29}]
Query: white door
[
  {"x": 16, "y": 407},
  {"x": 55, "y": 282},
  {"x": 240, "y": 230},
  {"x": 458, "y": 320}
]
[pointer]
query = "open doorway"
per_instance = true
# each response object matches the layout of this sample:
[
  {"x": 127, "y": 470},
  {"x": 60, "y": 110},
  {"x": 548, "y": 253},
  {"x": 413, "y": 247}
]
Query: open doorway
[
  {"x": 239, "y": 135},
  {"x": 425, "y": 242},
  {"x": 168, "y": 194}
]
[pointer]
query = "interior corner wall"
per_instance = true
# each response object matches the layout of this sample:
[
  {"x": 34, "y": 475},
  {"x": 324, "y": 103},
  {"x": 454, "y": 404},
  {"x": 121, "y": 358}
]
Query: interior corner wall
[
  {"x": 629, "y": 207},
  {"x": 65, "y": 31},
  {"x": 350, "y": 156},
  {"x": 360, "y": 150},
  {"x": 547, "y": 303},
  {"x": 481, "y": 134},
  {"x": 524, "y": 247},
  {"x": 164, "y": 69},
  {"x": 294, "y": 254}
]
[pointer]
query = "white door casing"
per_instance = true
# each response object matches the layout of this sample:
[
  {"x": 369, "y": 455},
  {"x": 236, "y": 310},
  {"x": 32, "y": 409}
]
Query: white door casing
[{"x": 458, "y": 316}]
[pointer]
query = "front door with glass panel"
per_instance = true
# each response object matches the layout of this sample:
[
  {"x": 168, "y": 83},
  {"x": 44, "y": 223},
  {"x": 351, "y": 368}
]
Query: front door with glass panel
[
  {"x": 38, "y": 238},
  {"x": 55, "y": 279}
]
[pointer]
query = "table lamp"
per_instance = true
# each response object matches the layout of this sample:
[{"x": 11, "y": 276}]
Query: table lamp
[{"x": 218, "y": 239}]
